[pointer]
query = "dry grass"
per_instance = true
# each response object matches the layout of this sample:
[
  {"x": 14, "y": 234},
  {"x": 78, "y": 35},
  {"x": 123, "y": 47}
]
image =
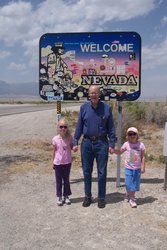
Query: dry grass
[
  {"x": 37, "y": 154},
  {"x": 22, "y": 166}
]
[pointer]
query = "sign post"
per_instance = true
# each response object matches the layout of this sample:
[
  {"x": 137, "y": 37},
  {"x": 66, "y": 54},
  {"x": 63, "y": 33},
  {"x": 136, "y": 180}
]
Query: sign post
[
  {"x": 165, "y": 154},
  {"x": 58, "y": 110},
  {"x": 69, "y": 63},
  {"x": 119, "y": 141}
]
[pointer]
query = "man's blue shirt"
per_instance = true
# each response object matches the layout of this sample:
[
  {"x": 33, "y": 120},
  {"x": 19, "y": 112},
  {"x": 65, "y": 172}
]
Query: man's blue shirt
[{"x": 95, "y": 122}]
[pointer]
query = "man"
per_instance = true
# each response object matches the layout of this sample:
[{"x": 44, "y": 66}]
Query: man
[{"x": 96, "y": 123}]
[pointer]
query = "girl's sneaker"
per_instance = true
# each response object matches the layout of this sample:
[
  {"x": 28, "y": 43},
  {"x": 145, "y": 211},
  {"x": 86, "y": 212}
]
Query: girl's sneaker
[
  {"x": 67, "y": 200},
  {"x": 132, "y": 203},
  {"x": 126, "y": 198},
  {"x": 59, "y": 201}
]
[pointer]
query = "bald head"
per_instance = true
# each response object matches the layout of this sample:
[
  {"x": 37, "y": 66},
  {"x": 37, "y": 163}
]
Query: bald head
[
  {"x": 94, "y": 94},
  {"x": 94, "y": 89}
]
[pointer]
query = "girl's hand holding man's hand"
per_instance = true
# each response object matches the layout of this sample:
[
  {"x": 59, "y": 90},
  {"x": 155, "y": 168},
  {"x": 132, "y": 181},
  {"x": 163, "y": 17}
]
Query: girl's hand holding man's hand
[{"x": 75, "y": 148}]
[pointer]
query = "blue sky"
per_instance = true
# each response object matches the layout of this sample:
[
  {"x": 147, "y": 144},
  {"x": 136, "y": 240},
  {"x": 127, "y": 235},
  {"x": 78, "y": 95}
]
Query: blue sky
[{"x": 22, "y": 23}]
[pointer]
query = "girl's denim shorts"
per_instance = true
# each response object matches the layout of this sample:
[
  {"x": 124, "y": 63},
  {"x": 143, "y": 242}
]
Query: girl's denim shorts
[{"x": 132, "y": 179}]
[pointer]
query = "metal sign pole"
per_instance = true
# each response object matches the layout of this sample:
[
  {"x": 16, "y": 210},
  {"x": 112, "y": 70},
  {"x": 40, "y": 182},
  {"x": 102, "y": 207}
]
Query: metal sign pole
[
  {"x": 165, "y": 154},
  {"x": 58, "y": 110},
  {"x": 119, "y": 141},
  {"x": 165, "y": 178}
]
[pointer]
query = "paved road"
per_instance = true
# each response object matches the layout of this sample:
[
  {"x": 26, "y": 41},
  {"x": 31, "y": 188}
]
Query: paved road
[{"x": 10, "y": 109}]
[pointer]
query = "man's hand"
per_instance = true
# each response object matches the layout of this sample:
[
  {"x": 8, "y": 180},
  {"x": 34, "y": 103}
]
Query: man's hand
[
  {"x": 75, "y": 148},
  {"x": 111, "y": 150}
]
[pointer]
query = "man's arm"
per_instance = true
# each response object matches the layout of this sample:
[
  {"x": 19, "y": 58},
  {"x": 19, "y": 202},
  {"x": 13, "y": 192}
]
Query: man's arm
[{"x": 79, "y": 129}]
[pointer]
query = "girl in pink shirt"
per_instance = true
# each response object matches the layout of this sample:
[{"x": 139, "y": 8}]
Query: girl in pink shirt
[
  {"x": 134, "y": 164},
  {"x": 62, "y": 159}
]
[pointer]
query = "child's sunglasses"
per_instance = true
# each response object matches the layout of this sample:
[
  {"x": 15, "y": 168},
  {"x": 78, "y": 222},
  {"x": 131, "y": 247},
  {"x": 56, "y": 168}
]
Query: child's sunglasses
[
  {"x": 63, "y": 126},
  {"x": 131, "y": 134}
]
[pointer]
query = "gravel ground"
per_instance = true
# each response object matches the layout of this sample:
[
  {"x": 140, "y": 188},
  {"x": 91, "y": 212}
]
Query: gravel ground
[{"x": 30, "y": 218}]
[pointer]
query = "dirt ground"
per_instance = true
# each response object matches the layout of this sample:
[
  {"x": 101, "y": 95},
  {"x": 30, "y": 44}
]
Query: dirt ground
[{"x": 30, "y": 218}]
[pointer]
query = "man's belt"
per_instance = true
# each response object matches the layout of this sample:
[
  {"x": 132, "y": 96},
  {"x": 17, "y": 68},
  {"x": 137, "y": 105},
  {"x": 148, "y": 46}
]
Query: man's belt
[{"x": 94, "y": 138}]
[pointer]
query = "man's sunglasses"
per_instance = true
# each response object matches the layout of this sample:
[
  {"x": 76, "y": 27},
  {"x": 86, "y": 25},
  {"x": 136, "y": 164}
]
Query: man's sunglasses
[
  {"x": 131, "y": 134},
  {"x": 63, "y": 127}
]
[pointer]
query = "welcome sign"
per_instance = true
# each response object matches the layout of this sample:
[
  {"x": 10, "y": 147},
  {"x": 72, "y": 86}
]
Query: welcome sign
[{"x": 70, "y": 62}]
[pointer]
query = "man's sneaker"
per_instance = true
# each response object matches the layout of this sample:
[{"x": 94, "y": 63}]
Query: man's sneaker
[
  {"x": 101, "y": 203},
  {"x": 67, "y": 200},
  {"x": 59, "y": 201},
  {"x": 87, "y": 201},
  {"x": 132, "y": 203}
]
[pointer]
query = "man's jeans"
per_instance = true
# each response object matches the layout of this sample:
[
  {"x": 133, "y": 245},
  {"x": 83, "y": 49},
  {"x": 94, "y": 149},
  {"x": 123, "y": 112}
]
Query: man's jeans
[{"x": 91, "y": 150}]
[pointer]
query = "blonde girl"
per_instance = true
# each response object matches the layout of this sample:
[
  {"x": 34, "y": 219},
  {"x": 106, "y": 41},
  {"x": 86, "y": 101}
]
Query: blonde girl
[
  {"x": 134, "y": 164},
  {"x": 62, "y": 160}
]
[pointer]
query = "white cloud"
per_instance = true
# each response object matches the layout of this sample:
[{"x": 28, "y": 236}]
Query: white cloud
[
  {"x": 4, "y": 54},
  {"x": 164, "y": 20},
  {"x": 155, "y": 55},
  {"x": 54, "y": 16},
  {"x": 20, "y": 23},
  {"x": 86, "y": 15},
  {"x": 16, "y": 66},
  {"x": 31, "y": 50},
  {"x": 24, "y": 23},
  {"x": 15, "y": 21}
]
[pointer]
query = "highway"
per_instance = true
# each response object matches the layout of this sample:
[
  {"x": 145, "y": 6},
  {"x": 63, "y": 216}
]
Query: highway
[{"x": 11, "y": 109}]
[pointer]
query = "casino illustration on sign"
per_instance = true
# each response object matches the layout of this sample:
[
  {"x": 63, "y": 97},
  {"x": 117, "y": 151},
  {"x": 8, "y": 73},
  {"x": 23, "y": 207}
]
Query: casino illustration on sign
[{"x": 68, "y": 69}]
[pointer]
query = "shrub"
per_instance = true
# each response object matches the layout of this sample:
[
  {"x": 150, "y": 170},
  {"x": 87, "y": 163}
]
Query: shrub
[
  {"x": 161, "y": 159},
  {"x": 156, "y": 113},
  {"x": 137, "y": 109},
  {"x": 150, "y": 157}
]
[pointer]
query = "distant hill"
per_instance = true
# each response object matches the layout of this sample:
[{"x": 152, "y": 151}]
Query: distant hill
[{"x": 29, "y": 88}]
